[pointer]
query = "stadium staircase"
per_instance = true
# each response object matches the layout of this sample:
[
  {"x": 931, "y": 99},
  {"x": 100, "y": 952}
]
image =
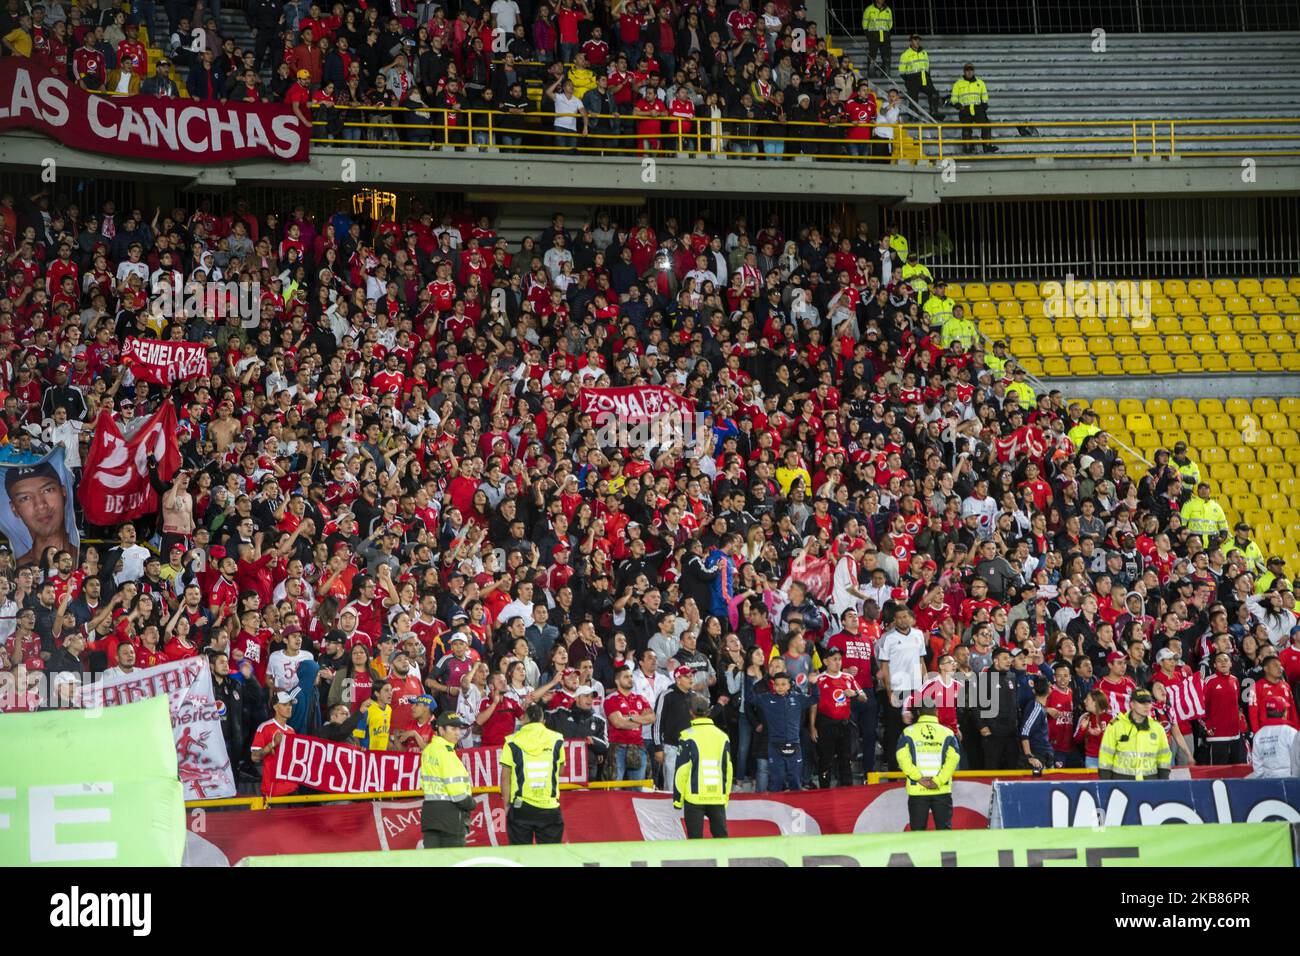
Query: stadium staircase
[{"x": 1034, "y": 79}]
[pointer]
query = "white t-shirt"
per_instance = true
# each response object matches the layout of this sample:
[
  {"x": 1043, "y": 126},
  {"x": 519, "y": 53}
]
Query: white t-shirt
[
  {"x": 903, "y": 654},
  {"x": 564, "y": 103},
  {"x": 283, "y": 669},
  {"x": 507, "y": 14},
  {"x": 846, "y": 576}
]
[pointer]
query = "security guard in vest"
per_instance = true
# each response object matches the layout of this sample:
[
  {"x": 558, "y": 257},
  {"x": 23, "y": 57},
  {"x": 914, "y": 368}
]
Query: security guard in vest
[
  {"x": 1134, "y": 746},
  {"x": 530, "y": 781},
  {"x": 1276, "y": 570},
  {"x": 878, "y": 24},
  {"x": 1203, "y": 515},
  {"x": 918, "y": 276},
  {"x": 971, "y": 97},
  {"x": 448, "y": 801},
  {"x": 958, "y": 328},
  {"x": 704, "y": 773},
  {"x": 914, "y": 64},
  {"x": 1250, "y": 551},
  {"x": 938, "y": 305},
  {"x": 928, "y": 753},
  {"x": 1189, "y": 470},
  {"x": 1018, "y": 387}
]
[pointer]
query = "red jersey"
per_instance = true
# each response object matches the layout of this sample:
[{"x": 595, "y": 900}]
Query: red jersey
[
  {"x": 254, "y": 648},
  {"x": 262, "y": 737},
  {"x": 1060, "y": 729},
  {"x": 1223, "y": 717},
  {"x": 836, "y": 695},
  {"x": 502, "y": 722},
  {"x": 629, "y": 705},
  {"x": 857, "y": 650},
  {"x": 1118, "y": 693},
  {"x": 424, "y": 735},
  {"x": 943, "y": 697},
  {"x": 1084, "y": 732},
  {"x": 1185, "y": 696},
  {"x": 405, "y": 690},
  {"x": 1263, "y": 697}
]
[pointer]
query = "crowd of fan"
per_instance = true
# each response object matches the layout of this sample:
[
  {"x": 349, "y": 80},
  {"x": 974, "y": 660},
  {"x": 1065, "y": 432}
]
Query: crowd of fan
[
  {"x": 392, "y": 506},
  {"x": 707, "y": 77}
]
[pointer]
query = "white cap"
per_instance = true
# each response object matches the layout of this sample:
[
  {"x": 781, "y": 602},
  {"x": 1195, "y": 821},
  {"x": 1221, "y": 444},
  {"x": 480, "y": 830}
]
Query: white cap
[
  {"x": 584, "y": 689},
  {"x": 282, "y": 697}
]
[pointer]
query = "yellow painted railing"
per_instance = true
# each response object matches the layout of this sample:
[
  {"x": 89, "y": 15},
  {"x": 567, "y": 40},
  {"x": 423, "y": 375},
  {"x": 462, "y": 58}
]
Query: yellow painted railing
[
  {"x": 262, "y": 803},
  {"x": 723, "y": 137}
]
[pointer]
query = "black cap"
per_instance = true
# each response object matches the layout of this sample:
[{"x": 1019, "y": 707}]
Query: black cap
[
  {"x": 15, "y": 474},
  {"x": 1142, "y": 697}
]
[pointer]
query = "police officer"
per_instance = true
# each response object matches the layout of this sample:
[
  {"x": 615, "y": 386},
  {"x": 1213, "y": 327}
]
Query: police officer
[
  {"x": 928, "y": 753},
  {"x": 704, "y": 773},
  {"x": 971, "y": 97},
  {"x": 1203, "y": 515},
  {"x": 1134, "y": 746},
  {"x": 938, "y": 305},
  {"x": 878, "y": 24},
  {"x": 530, "y": 781},
  {"x": 448, "y": 801},
  {"x": 917, "y": 275},
  {"x": 914, "y": 64}
]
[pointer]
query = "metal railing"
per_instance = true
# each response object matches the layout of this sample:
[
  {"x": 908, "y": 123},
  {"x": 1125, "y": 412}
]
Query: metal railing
[{"x": 404, "y": 128}]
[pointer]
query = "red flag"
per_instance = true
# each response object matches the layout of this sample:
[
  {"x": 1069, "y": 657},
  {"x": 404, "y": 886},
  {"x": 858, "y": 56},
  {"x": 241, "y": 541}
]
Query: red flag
[
  {"x": 165, "y": 362},
  {"x": 115, "y": 482}
]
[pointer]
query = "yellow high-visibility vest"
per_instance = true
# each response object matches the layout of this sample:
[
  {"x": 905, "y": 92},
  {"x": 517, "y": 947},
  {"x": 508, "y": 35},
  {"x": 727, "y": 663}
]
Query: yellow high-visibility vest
[
  {"x": 928, "y": 749},
  {"x": 704, "y": 771},
  {"x": 969, "y": 93},
  {"x": 915, "y": 61},
  {"x": 878, "y": 21},
  {"x": 534, "y": 755},
  {"x": 1128, "y": 751}
]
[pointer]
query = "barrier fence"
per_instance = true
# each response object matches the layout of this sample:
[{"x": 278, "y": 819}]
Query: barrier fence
[{"x": 720, "y": 137}]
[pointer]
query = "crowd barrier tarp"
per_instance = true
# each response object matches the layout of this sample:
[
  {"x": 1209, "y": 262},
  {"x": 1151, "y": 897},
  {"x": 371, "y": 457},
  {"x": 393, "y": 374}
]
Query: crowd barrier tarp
[
  {"x": 336, "y": 768},
  {"x": 200, "y": 746},
  {"x": 1219, "y": 845},
  {"x": 1125, "y": 803},
  {"x": 91, "y": 788},
  {"x": 161, "y": 129}
]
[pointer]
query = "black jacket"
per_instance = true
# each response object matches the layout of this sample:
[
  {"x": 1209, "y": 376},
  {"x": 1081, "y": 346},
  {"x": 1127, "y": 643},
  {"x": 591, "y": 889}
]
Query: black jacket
[
  {"x": 674, "y": 715},
  {"x": 697, "y": 582},
  {"x": 1002, "y": 718},
  {"x": 229, "y": 694},
  {"x": 574, "y": 723}
]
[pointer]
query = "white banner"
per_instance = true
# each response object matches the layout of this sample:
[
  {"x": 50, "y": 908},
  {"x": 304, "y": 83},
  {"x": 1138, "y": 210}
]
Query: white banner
[{"x": 201, "y": 758}]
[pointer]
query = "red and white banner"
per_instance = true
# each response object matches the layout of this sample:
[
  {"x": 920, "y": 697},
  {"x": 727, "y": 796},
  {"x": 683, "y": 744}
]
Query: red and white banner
[
  {"x": 590, "y": 816},
  {"x": 336, "y": 768},
  {"x": 115, "y": 483},
  {"x": 817, "y": 574},
  {"x": 163, "y": 363},
  {"x": 148, "y": 127},
  {"x": 201, "y": 757},
  {"x": 633, "y": 402}
]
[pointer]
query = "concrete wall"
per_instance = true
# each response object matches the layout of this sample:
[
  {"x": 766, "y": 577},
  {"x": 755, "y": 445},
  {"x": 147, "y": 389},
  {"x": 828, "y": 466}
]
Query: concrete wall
[
  {"x": 923, "y": 185},
  {"x": 1182, "y": 385}
]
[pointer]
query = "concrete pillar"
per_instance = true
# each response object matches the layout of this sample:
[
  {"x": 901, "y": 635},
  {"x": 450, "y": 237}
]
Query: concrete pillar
[{"x": 817, "y": 13}]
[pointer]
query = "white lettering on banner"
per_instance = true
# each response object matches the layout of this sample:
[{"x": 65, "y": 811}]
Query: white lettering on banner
[
  {"x": 161, "y": 126},
  {"x": 1086, "y": 812},
  {"x": 52, "y": 92},
  {"x": 44, "y": 820},
  {"x": 333, "y": 768}
]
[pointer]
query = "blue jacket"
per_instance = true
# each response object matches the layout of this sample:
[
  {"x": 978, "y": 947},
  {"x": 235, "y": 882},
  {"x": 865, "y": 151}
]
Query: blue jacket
[
  {"x": 782, "y": 717},
  {"x": 724, "y": 585},
  {"x": 1033, "y": 727}
]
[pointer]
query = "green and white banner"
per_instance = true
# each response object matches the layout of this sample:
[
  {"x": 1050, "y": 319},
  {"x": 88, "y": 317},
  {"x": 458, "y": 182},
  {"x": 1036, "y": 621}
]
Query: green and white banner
[
  {"x": 94, "y": 787},
  {"x": 1236, "y": 844}
]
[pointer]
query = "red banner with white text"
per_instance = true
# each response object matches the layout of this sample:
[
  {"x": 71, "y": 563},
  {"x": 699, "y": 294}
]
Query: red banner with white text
[
  {"x": 336, "y": 768},
  {"x": 590, "y": 816},
  {"x": 633, "y": 401},
  {"x": 163, "y": 363},
  {"x": 160, "y": 129},
  {"x": 115, "y": 484}
]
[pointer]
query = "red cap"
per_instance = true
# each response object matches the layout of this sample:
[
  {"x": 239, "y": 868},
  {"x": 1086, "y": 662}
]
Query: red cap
[
  {"x": 562, "y": 546},
  {"x": 899, "y": 594},
  {"x": 217, "y": 551},
  {"x": 1114, "y": 656},
  {"x": 929, "y": 563},
  {"x": 570, "y": 670},
  {"x": 683, "y": 671}
]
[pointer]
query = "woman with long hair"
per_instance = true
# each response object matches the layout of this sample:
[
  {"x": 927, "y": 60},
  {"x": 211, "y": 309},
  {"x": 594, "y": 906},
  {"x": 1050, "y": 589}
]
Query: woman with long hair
[{"x": 351, "y": 685}]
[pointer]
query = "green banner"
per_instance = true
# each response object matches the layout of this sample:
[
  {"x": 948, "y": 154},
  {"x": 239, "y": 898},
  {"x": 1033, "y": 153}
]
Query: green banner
[
  {"x": 1232, "y": 844},
  {"x": 91, "y": 787}
]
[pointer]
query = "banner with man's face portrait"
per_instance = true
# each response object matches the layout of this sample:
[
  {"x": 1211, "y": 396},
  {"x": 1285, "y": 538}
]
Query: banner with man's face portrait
[{"x": 36, "y": 508}]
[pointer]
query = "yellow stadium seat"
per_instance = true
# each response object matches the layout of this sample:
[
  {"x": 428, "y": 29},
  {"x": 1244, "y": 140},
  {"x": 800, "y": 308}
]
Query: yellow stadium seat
[
  {"x": 1229, "y": 343},
  {"x": 1185, "y": 305},
  {"x": 955, "y": 290},
  {"x": 990, "y": 327},
  {"x": 1254, "y": 342},
  {"x": 1245, "y": 324},
  {"x": 1261, "y": 303},
  {"x": 1109, "y": 365},
  {"x": 1010, "y": 309},
  {"x": 1125, "y": 345},
  {"x": 1161, "y": 306},
  {"x": 1042, "y": 327},
  {"x": 1175, "y": 287},
  {"x": 1242, "y": 454},
  {"x": 1199, "y": 287},
  {"x": 1104, "y": 406},
  {"x": 984, "y": 309},
  {"x": 1249, "y": 287},
  {"x": 1241, "y": 362},
  {"x": 1286, "y": 303},
  {"x": 1131, "y": 406},
  {"x": 1138, "y": 422},
  {"x": 1146, "y": 439},
  {"x": 1293, "y": 285},
  {"x": 1193, "y": 323},
  {"x": 1164, "y": 421},
  {"x": 1187, "y": 363},
  {"x": 1273, "y": 287},
  {"x": 1100, "y": 345},
  {"x": 1091, "y": 327},
  {"x": 1034, "y": 308},
  {"x": 1025, "y": 290},
  {"x": 1291, "y": 361},
  {"x": 1270, "y": 455},
  {"x": 1271, "y": 323},
  {"x": 1047, "y": 345},
  {"x": 1237, "y": 304},
  {"x": 1280, "y": 343},
  {"x": 1210, "y": 304},
  {"x": 1222, "y": 471},
  {"x": 1156, "y": 406},
  {"x": 1264, "y": 406},
  {"x": 1082, "y": 365},
  {"x": 1032, "y": 365},
  {"x": 1209, "y": 406},
  {"x": 1067, "y": 326},
  {"x": 1211, "y": 454},
  {"x": 1267, "y": 362},
  {"x": 1151, "y": 344},
  {"x": 1055, "y": 367},
  {"x": 1291, "y": 323},
  {"x": 1110, "y": 422},
  {"x": 1015, "y": 328},
  {"x": 1218, "y": 323},
  {"x": 976, "y": 291},
  {"x": 1250, "y": 470},
  {"x": 1290, "y": 405},
  {"x": 1230, "y": 439},
  {"x": 1177, "y": 345},
  {"x": 1224, "y": 287},
  {"x": 1161, "y": 364},
  {"x": 1021, "y": 346},
  {"x": 1074, "y": 345},
  {"x": 1236, "y": 406},
  {"x": 1286, "y": 438},
  {"x": 1169, "y": 325},
  {"x": 1135, "y": 365},
  {"x": 1219, "y": 422},
  {"x": 1000, "y": 290},
  {"x": 1118, "y": 325},
  {"x": 1214, "y": 362},
  {"x": 1246, "y": 502},
  {"x": 1204, "y": 342}
]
